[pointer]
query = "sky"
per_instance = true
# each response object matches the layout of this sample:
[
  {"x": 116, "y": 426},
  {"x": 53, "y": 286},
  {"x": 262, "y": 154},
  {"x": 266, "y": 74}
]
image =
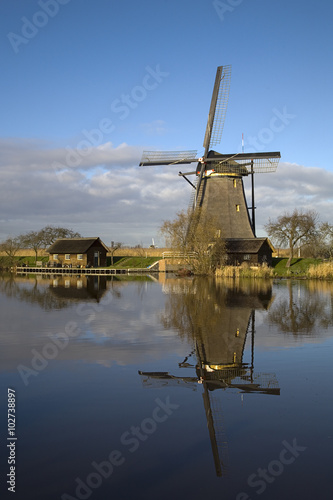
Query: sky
[{"x": 86, "y": 86}]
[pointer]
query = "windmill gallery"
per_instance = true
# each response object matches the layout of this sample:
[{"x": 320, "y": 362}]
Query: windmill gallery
[{"x": 218, "y": 189}]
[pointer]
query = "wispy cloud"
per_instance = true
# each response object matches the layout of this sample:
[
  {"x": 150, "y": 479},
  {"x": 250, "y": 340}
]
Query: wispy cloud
[{"x": 156, "y": 127}]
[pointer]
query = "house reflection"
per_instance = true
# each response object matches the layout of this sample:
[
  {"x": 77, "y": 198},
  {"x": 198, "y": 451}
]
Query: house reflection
[
  {"x": 56, "y": 291},
  {"x": 219, "y": 319},
  {"x": 78, "y": 288}
]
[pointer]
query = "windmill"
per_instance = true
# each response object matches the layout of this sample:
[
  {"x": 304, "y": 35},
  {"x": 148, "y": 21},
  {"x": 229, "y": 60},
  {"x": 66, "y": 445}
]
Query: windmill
[{"x": 219, "y": 188}]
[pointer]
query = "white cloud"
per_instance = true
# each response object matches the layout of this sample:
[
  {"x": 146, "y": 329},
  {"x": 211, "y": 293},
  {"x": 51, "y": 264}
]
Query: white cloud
[
  {"x": 293, "y": 186},
  {"x": 108, "y": 195}
]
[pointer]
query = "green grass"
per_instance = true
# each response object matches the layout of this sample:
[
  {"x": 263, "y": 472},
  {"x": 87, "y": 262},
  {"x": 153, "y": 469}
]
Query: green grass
[
  {"x": 30, "y": 261},
  {"x": 134, "y": 262},
  {"x": 299, "y": 267}
]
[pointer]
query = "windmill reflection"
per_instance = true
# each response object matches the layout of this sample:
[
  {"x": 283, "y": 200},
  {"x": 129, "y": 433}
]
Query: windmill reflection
[{"x": 218, "y": 318}]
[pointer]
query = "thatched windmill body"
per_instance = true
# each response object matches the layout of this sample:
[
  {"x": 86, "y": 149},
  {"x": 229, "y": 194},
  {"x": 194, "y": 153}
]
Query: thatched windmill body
[{"x": 219, "y": 188}]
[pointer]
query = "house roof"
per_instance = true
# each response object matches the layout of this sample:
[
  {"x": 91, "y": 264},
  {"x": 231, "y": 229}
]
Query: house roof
[
  {"x": 74, "y": 245},
  {"x": 247, "y": 245}
]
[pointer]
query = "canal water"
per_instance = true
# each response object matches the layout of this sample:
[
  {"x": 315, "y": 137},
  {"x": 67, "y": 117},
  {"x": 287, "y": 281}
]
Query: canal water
[{"x": 163, "y": 388}]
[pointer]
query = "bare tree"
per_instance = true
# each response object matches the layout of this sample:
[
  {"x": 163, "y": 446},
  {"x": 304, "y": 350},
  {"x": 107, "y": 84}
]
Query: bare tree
[
  {"x": 290, "y": 229},
  {"x": 50, "y": 234},
  {"x": 113, "y": 248},
  {"x": 10, "y": 247},
  {"x": 197, "y": 238},
  {"x": 33, "y": 240}
]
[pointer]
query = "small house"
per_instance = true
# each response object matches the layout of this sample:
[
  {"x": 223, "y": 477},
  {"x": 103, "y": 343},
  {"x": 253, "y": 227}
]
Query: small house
[
  {"x": 78, "y": 252},
  {"x": 254, "y": 251}
]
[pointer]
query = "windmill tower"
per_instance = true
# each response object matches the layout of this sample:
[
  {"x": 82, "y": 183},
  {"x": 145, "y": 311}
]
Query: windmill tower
[{"x": 219, "y": 188}]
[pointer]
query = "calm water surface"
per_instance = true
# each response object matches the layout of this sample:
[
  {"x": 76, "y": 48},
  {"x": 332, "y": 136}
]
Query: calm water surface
[{"x": 178, "y": 388}]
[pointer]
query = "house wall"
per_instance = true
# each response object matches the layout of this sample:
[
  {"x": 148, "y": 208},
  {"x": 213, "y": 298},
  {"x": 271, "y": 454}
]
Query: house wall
[
  {"x": 265, "y": 255},
  {"x": 102, "y": 255},
  {"x": 235, "y": 259},
  {"x": 73, "y": 260}
]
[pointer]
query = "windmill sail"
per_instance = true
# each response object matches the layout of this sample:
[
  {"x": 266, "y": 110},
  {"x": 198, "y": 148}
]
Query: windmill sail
[
  {"x": 216, "y": 116},
  {"x": 153, "y": 158},
  {"x": 218, "y": 108}
]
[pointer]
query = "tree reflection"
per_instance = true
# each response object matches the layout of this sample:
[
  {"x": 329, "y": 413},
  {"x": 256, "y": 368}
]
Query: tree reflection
[
  {"x": 30, "y": 290},
  {"x": 303, "y": 311}
]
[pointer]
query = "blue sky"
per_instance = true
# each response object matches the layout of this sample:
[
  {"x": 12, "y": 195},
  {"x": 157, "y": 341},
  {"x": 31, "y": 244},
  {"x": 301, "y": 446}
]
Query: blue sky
[{"x": 121, "y": 77}]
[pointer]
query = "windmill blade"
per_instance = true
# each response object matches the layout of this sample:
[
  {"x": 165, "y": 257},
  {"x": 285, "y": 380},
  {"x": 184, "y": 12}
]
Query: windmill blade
[
  {"x": 202, "y": 170},
  {"x": 245, "y": 163},
  {"x": 152, "y": 158},
  {"x": 218, "y": 108},
  {"x": 163, "y": 379}
]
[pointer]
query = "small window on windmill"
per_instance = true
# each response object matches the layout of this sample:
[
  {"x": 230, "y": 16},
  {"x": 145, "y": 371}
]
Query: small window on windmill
[
  {"x": 235, "y": 183},
  {"x": 237, "y": 208}
]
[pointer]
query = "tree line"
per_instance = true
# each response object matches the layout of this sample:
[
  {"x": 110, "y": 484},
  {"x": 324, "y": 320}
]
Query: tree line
[
  {"x": 34, "y": 240},
  {"x": 298, "y": 229}
]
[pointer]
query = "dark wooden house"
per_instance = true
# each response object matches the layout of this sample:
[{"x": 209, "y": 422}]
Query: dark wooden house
[
  {"x": 254, "y": 251},
  {"x": 78, "y": 252}
]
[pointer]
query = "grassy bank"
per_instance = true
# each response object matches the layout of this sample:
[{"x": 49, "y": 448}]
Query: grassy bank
[
  {"x": 27, "y": 260},
  {"x": 133, "y": 262},
  {"x": 245, "y": 272},
  {"x": 299, "y": 268},
  {"x": 323, "y": 270}
]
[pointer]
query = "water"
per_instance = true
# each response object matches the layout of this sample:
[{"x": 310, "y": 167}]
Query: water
[{"x": 170, "y": 388}]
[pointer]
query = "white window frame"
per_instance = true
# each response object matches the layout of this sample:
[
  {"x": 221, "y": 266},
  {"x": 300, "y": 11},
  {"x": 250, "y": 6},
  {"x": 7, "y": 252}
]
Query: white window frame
[
  {"x": 55, "y": 256},
  {"x": 67, "y": 256},
  {"x": 80, "y": 256}
]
